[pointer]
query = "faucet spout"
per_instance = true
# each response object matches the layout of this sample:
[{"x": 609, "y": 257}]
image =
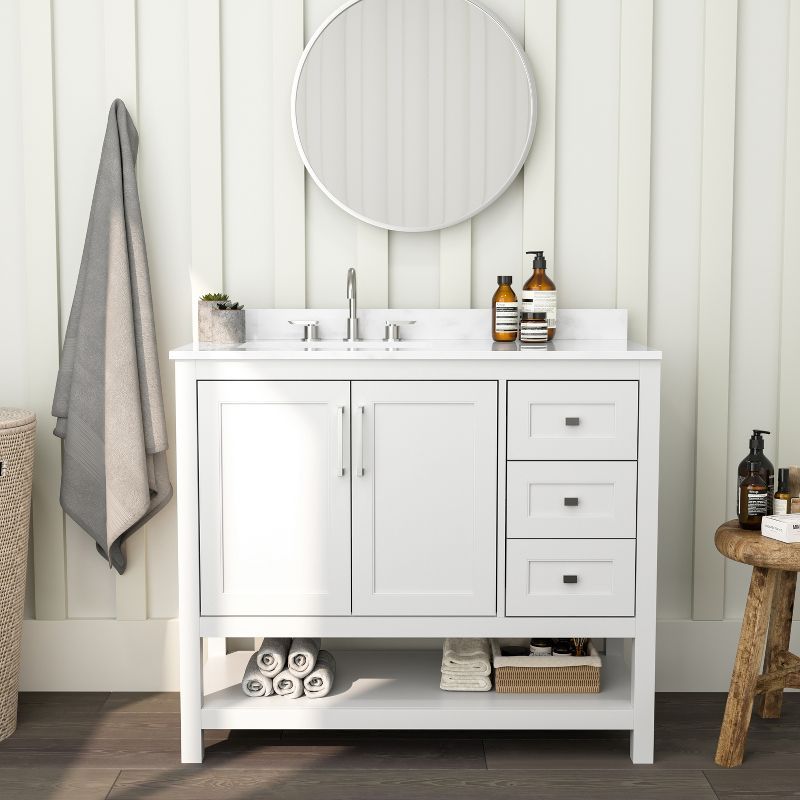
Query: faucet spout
[{"x": 352, "y": 307}]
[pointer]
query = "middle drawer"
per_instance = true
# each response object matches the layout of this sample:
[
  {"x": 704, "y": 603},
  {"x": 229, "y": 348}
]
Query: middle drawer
[{"x": 571, "y": 499}]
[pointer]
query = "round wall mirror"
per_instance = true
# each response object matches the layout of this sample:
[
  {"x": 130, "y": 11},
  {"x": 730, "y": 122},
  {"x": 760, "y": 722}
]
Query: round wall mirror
[{"x": 413, "y": 115}]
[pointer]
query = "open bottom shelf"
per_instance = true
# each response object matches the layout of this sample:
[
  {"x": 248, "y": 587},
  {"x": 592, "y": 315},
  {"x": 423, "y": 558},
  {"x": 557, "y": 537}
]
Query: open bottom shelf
[{"x": 391, "y": 689}]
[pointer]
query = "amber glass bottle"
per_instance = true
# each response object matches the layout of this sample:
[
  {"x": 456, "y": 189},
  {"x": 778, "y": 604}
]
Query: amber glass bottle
[
  {"x": 505, "y": 311},
  {"x": 539, "y": 292},
  {"x": 753, "y": 498}
]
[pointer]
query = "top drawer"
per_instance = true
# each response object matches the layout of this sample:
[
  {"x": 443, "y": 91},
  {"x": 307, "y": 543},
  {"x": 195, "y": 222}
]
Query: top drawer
[{"x": 572, "y": 420}]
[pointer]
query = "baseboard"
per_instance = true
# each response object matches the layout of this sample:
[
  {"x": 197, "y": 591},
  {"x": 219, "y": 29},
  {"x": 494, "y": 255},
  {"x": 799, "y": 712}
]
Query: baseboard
[
  {"x": 109, "y": 655},
  {"x": 99, "y": 656}
]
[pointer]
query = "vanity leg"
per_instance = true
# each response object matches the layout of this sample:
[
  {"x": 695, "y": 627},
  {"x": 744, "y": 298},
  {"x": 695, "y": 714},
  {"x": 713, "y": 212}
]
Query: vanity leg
[
  {"x": 643, "y": 675},
  {"x": 191, "y": 673}
]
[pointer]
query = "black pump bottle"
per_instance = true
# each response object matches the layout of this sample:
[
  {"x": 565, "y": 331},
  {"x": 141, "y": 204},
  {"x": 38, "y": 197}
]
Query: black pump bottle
[{"x": 765, "y": 468}]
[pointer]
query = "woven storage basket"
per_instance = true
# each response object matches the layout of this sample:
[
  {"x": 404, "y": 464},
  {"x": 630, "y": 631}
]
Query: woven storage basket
[
  {"x": 17, "y": 433},
  {"x": 580, "y": 677}
]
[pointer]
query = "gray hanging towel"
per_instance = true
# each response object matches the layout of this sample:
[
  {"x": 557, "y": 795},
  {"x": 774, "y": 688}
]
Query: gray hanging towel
[{"x": 108, "y": 394}]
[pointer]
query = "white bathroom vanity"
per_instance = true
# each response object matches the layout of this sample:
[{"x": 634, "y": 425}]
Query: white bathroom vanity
[{"x": 439, "y": 486}]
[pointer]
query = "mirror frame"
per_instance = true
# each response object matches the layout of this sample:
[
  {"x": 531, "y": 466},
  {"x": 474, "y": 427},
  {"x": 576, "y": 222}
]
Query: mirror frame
[{"x": 532, "y": 118}]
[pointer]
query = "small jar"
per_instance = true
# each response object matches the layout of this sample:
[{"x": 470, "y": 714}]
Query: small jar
[
  {"x": 563, "y": 647},
  {"x": 541, "y": 647},
  {"x": 533, "y": 327}
]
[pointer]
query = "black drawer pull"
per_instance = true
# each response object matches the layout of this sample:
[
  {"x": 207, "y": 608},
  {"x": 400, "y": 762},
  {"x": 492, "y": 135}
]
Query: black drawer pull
[
  {"x": 572, "y": 421},
  {"x": 570, "y": 579},
  {"x": 571, "y": 501}
]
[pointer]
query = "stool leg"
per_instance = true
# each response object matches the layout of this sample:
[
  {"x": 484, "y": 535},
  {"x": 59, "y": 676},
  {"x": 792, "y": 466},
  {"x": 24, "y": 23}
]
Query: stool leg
[
  {"x": 732, "y": 737},
  {"x": 780, "y": 628}
]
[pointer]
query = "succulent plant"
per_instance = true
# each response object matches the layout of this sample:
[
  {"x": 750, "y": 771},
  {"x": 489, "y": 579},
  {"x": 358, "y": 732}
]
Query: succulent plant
[
  {"x": 215, "y": 297},
  {"x": 228, "y": 306}
]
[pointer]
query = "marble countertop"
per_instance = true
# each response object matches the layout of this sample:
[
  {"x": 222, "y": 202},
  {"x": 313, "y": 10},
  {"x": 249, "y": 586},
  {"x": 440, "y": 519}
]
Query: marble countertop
[{"x": 442, "y": 349}]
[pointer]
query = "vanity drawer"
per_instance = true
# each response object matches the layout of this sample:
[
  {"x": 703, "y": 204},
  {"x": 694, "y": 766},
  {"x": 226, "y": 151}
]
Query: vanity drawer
[
  {"x": 571, "y": 499},
  {"x": 580, "y": 420},
  {"x": 570, "y": 578}
]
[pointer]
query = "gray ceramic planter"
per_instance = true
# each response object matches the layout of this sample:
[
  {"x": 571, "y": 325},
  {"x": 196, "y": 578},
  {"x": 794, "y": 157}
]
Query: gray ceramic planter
[{"x": 217, "y": 326}]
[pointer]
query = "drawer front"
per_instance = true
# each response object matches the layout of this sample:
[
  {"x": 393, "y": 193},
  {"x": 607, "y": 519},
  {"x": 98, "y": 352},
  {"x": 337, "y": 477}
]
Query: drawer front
[
  {"x": 580, "y": 420},
  {"x": 571, "y": 499},
  {"x": 577, "y": 578}
]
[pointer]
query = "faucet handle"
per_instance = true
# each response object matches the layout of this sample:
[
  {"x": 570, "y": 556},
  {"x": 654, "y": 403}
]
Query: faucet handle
[
  {"x": 309, "y": 328},
  {"x": 392, "y": 329}
]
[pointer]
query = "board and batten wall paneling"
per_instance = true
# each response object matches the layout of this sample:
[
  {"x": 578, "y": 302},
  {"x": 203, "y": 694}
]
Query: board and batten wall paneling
[
  {"x": 288, "y": 173},
  {"x": 164, "y": 190},
  {"x": 81, "y": 114},
  {"x": 789, "y": 382},
  {"x": 247, "y": 109},
  {"x": 119, "y": 17},
  {"x": 207, "y": 83},
  {"x": 205, "y": 148},
  {"x": 713, "y": 336},
  {"x": 759, "y": 184},
  {"x": 674, "y": 257},
  {"x": 539, "y": 175},
  {"x": 12, "y": 255},
  {"x": 587, "y": 124},
  {"x": 41, "y": 271},
  {"x": 633, "y": 191}
]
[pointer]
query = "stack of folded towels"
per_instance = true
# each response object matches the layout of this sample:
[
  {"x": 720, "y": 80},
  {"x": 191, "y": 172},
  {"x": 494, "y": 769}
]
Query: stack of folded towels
[
  {"x": 466, "y": 665},
  {"x": 289, "y": 668}
]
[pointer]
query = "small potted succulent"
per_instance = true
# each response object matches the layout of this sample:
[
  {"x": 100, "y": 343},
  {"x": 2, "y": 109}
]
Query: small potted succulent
[{"x": 219, "y": 320}]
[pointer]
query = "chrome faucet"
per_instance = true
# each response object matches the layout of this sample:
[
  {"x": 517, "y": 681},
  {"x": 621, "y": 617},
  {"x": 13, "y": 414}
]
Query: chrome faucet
[{"x": 352, "y": 307}]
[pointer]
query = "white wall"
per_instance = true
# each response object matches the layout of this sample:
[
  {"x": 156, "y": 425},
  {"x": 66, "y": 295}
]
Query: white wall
[{"x": 627, "y": 218}]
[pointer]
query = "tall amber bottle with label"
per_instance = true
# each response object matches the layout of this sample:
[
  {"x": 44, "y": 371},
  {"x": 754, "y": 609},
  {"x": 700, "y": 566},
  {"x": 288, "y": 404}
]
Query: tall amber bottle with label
[
  {"x": 505, "y": 311},
  {"x": 539, "y": 292}
]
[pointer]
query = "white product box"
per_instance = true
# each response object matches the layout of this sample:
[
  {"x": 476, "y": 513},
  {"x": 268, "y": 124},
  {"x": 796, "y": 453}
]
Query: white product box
[{"x": 783, "y": 527}]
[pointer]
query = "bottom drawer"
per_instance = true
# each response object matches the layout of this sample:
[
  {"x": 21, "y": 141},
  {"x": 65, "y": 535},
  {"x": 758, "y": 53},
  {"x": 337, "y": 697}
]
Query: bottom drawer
[{"x": 570, "y": 578}]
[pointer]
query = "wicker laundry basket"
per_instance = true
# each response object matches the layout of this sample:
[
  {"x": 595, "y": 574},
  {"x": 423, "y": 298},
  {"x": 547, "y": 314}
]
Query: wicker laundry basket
[{"x": 17, "y": 433}]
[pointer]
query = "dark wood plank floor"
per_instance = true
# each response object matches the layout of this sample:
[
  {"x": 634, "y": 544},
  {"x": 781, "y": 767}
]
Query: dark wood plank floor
[{"x": 90, "y": 746}]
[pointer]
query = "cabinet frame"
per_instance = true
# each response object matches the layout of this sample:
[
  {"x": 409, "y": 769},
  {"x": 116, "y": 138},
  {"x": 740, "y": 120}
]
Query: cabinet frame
[{"x": 195, "y": 629}]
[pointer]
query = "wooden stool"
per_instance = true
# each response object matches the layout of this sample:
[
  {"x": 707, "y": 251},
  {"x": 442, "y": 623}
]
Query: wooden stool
[{"x": 765, "y": 629}]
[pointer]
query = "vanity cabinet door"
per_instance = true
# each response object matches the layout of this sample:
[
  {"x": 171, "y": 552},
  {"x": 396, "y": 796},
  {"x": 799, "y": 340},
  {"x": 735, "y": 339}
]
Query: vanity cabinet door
[
  {"x": 274, "y": 481},
  {"x": 424, "y": 497}
]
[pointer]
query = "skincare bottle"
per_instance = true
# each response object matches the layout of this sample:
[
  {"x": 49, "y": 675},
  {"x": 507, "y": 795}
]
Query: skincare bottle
[
  {"x": 505, "y": 311},
  {"x": 753, "y": 497},
  {"x": 766, "y": 470},
  {"x": 539, "y": 292},
  {"x": 782, "y": 496}
]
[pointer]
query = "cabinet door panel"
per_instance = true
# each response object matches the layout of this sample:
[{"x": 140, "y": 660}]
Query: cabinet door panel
[
  {"x": 424, "y": 497},
  {"x": 274, "y": 497}
]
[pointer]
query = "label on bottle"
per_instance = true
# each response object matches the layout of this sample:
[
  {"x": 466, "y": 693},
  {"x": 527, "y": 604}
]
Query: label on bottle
[
  {"x": 506, "y": 317},
  {"x": 533, "y": 331},
  {"x": 780, "y": 505},
  {"x": 533, "y": 300},
  {"x": 757, "y": 503}
]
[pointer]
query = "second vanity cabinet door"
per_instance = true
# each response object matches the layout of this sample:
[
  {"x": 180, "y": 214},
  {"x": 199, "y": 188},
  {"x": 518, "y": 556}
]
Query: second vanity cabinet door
[
  {"x": 274, "y": 480},
  {"x": 424, "y": 497}
]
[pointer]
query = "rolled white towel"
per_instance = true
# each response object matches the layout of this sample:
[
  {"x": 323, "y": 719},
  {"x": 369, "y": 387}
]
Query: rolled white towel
[
  {"x": 467, "y": 657},
  {"x": 465, "y": 683},
  {"x": 287, "y": 685},
  {"x": 302, "y": 656},
  {"x": 254, "y": 682},
  {"x": 271, "y": 656},
  {"x": 319, "y": 681}
]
